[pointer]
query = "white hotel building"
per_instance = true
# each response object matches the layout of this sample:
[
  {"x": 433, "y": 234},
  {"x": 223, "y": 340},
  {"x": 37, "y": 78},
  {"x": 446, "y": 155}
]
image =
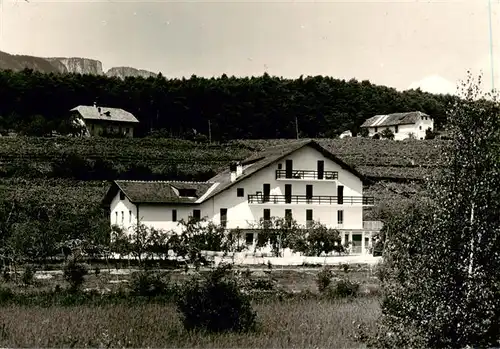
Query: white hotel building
[{"x": 301, "y": 179}]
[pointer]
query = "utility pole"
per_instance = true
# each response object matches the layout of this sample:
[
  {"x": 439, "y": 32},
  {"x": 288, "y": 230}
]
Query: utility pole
[
  {"x": 209, "y": 132},
  {"x": 297, "y": 127},
  {"x": 491, "y": 49}
]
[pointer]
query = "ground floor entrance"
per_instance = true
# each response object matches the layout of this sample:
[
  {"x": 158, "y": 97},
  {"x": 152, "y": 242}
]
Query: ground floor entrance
[{"x": 359, "y": 242}]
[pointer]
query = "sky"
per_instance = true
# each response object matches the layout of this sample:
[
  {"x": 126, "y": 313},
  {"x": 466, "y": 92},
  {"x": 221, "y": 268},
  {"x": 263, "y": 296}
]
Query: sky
[{"x": 402, "y": 44}]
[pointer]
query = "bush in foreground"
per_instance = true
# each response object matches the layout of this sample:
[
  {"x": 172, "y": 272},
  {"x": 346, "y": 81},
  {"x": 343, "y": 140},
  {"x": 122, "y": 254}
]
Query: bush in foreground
[
  {"x": 149, "y": 284},
  {"x": 215, "y": 303},
  {"x": 324, "y": 279},
  {"x": 74, "y": 274},
  {"x": 28, "y": 275},
  {"x": 344, "y": 288}
]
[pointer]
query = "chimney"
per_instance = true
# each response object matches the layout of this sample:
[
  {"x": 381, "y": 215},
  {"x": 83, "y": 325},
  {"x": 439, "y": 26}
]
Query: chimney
[
  {"x": 239, "y": 169},
  {"x": 236, "y": 170}
]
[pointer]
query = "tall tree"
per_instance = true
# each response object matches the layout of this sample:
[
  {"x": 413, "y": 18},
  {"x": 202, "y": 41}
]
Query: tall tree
[{"x": 442, "y": 257}]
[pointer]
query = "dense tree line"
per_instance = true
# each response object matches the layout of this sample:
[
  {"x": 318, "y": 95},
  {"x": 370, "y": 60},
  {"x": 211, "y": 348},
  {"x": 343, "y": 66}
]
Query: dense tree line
[{"x": 34, "y": 103}]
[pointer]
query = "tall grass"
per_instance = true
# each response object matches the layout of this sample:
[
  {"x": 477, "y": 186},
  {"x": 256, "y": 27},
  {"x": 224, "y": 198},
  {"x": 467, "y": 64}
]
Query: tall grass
[{"x": 287, "y": 324}]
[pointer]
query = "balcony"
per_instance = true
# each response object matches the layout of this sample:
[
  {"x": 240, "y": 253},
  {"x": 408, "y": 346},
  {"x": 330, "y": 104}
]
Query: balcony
[
  {"x": 307, "y": 175},
  {"x": 315, "y": 200}
]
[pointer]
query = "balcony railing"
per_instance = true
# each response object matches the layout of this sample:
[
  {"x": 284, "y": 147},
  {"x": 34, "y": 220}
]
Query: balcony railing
[
  {"x": 304, "y": 199},
  {"x": 306, "y": 174}
]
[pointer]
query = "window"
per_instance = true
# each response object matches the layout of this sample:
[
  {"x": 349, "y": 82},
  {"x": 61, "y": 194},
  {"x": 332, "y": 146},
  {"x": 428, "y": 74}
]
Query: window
[
  {"x": 340, "y": 195},
  {"x": 309, "y": 193},
  {"x": 321, "y": 169},
  {"x": 420, "y": 127},
  {"x": 249, "y": 238},
  {"x": 126, "y": 131},
  {"x": 309, "y": 218},
  {"x": 223, "y": 217},
  {"x": 123, "y": 217},
  {"x": 240, "y": 192},
  {"x": 191, "y": 193},
  {"x": 174, "y": 215},
  {"x": 340, "y": 217},
  {"x": 396, "y": 129},
  {"x": 267, "y": 214},
  {"x": 288, "y": 193},
  {"x": 288, "y": 217},
  {"x": 197, "y": 214},
  {"x": 280, "y": 166},
  {"x": 122, "y": 195},
  {"x": 116, "y": 217},
  {"x": 267, "y": 192},
  {"x": 288, "y": 168},
  {"x": 129, "y": 216},
  {"x": 376, "y": 129}
]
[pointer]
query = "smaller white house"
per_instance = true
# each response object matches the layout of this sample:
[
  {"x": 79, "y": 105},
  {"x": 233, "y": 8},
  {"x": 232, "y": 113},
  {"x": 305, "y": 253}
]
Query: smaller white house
[
  {"x": 97, "y": 120},
  {"x": 403, "y": 125}
]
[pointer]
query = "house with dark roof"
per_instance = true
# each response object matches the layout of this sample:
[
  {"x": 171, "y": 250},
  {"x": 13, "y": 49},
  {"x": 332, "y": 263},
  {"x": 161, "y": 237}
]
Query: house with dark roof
[
  {"x": 98, "y": 120},
  {"x": 403, "y": 125},
  {"x": 300, "y": 180}
]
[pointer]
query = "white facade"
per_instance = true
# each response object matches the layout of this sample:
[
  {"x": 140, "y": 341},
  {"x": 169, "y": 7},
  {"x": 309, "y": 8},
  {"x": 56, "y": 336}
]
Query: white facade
[
  {"x": 246, "y": 210},
  {"x": 403, "y": 131}
]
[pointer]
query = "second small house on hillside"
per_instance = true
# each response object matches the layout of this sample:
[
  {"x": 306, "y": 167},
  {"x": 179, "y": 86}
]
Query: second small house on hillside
[
  {"x": 403, "y": 125},
  {"x": 301, "y": 181},
  {"x": 101, "y": 121}
]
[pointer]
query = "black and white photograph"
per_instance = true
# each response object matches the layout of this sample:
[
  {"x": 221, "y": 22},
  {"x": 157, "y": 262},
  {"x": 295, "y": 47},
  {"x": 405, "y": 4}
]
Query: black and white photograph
[{"x": 250, "y": 174}]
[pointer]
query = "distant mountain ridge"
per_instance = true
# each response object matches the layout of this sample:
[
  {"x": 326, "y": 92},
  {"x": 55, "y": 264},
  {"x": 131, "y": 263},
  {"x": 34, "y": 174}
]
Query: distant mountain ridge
[
  {"x": 66, "y": 65},
  {"x": 122, "y": 72}
]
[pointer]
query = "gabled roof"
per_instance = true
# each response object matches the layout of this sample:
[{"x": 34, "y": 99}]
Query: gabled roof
[
  {"x": 109, "y": 114},
  {"x": 167, "y": 192},
  {"x": 408, "y": 118},
  {"x": 158, "y": 192},
  {"x": 268, "y": 157}
]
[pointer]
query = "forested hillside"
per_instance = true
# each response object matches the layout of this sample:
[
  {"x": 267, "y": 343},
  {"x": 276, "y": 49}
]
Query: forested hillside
[{"x": 34, "y": 104}]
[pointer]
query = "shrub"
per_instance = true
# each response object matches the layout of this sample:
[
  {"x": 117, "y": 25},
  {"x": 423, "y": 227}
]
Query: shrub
[
  {"x": 429, "y": 134},
  {"x": 74, "y": 274},
  {"x": 346, "y": 268},
  {"x": 324, "y": 279},
  {"x": 262, "y": 284},
  {"x": 344, "y": 288},
  {"x": 6, "y": 295},
  {"x": 6, "y": 274},
  {"x": 387, "y": 134},
  {"x": 149, "y": 284},
  {"x": 28, "y": 275},
  {"x": 215, "y": 303},
  {"x": 364, "y": 132}
]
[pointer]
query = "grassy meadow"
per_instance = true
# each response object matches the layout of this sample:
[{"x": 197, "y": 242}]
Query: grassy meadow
[{"x": 290, "y": 322}]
